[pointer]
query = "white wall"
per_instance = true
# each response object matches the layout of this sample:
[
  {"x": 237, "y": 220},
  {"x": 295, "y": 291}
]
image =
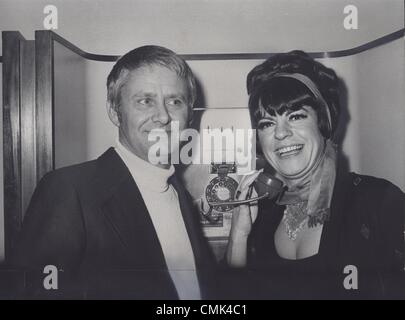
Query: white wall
[
  {"x": 206, "y": 26},
  {"x": 381, "y": 112},
  {"x": 70, "y": 107}
]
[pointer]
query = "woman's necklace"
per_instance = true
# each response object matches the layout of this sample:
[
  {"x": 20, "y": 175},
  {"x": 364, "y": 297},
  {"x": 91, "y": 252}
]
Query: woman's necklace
[{"x": 295, "y": 217}]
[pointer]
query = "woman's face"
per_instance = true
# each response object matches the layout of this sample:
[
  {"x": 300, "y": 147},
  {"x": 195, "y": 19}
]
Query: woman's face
[{"x": 291, "y": 142}]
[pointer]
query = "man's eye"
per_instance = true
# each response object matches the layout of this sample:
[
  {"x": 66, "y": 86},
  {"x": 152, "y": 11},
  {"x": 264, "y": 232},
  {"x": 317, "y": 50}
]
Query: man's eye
[
  {"x": 175, "y": 102},
  {"x": 297, "y": 116},
  {"x": 265, "y": 124},
  {"x": 145, "y": 101}
]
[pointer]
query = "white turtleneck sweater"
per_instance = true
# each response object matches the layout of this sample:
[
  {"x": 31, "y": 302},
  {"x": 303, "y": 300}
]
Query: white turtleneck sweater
[{"x": 162, "y": 202}]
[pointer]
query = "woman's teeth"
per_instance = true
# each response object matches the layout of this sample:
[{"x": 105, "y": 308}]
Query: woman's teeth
[{"x": 285, "y": 151}]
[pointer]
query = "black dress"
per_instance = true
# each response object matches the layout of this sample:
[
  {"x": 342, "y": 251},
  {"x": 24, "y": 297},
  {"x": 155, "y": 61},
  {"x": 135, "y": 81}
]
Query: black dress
[{"x": 364, "y": 235}]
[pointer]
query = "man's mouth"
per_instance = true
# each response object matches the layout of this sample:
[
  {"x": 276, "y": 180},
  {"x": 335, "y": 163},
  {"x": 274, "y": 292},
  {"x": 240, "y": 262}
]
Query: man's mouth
[
  {"x": 158, "y": 130},
  {"x": 289, "y": 150}
]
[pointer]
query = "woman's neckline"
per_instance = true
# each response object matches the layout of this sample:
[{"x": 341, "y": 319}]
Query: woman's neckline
[{"x": 312, "y": 257}]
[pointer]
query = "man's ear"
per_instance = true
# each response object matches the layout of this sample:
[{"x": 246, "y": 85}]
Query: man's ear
[
  {"x": 113, "y": 114},
  {"x": 191, "y": 116}
]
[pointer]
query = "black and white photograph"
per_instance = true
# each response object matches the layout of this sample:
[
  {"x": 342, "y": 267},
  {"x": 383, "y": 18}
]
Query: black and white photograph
[{"x": 202, "y": 150}]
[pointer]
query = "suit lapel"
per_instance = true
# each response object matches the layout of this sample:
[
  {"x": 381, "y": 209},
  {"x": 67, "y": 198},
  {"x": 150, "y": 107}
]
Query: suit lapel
[{"x": 123, "y": 206}]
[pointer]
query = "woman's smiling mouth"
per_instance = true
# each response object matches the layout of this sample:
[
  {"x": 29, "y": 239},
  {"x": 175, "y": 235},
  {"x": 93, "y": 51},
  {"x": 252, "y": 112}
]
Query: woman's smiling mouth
[{"x": 289, "y": 150}]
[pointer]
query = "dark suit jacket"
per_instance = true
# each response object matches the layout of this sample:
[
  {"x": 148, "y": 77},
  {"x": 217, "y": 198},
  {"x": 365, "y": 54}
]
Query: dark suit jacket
[{"x": 91, "y": 222}]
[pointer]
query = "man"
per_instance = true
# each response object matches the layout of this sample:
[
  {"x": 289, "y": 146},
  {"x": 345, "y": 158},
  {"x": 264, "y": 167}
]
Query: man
[{"x": 118, "y": 226}]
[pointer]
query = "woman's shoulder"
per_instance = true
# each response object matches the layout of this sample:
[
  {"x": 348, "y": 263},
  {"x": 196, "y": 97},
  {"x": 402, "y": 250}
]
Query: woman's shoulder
[
  {"x": 378, "y": 201},
  {"x": 372, "y": 198},
  {"x": 380, "y": 208},
  {"x": 374, "y": 186}
]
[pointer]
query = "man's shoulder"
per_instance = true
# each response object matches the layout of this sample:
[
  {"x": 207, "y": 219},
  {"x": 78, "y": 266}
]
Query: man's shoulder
[
  {"x": 78, "y": 172},
  {"x": 82, "y": 173}
]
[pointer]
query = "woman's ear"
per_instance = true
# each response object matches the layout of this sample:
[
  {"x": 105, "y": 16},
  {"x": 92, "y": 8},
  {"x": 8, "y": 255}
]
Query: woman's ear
[{"x": 113, "y": 114}]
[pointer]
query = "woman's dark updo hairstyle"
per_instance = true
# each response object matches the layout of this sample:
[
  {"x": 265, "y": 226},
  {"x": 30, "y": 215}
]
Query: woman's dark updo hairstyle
[{"x": 271, "y": 94}]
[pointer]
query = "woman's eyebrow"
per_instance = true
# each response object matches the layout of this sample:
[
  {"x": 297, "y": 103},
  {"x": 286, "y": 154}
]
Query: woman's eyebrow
[
  {"x": 304, "y": 108},
  {"x": 266, "y": 118},
  {"x": 288, "y": 112}
]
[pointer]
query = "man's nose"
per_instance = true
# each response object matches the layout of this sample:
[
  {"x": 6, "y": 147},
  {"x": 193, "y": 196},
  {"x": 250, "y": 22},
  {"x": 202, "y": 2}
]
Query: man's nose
[
  {"x": 282, "y": 130},
  {"x": 161, "y": 115}
]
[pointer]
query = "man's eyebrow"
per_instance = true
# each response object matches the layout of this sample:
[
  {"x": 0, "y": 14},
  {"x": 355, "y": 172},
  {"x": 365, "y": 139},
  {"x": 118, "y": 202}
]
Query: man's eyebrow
[
  {"x": 176, "y": 95},
  {"x": 144, "y": 94}
]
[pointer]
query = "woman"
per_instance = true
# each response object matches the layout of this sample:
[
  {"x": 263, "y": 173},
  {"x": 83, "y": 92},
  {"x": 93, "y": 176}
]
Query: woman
[{"x": 331, "y": 234}]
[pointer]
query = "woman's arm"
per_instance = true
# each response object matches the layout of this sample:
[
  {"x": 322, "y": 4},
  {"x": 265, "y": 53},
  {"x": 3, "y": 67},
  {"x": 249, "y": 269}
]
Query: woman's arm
[
  {"x": 242, "y": 221},
  {"x": 237, "y": 250}
]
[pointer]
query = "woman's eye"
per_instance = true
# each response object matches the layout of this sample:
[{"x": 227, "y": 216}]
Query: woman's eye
[
  {"x": 297, "y": 116},
  {"x": 265, "y": 124}
]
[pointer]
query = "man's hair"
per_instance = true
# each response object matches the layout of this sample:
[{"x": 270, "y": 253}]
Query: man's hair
[{"x": 147, "y": 56}]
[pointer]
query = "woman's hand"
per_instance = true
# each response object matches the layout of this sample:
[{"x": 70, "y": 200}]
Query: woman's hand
[
  {"x": 245, "y": 215},
  {"x": 243, "y": 218}
]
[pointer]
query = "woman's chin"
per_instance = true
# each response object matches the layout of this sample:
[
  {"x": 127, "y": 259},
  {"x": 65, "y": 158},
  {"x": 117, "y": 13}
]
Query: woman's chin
[{"x": 293, "y": 172}]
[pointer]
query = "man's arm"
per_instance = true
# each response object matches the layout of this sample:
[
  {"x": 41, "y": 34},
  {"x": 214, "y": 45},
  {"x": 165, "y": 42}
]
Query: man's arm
[{"x": 53, "y": 230}]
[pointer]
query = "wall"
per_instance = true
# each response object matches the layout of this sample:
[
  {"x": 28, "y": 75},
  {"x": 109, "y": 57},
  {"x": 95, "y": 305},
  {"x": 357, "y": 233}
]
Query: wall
[
  {"x": 204, "y": 26},
  {"x": 381, "y": 115},
  {"x": 70, "y": 107}
]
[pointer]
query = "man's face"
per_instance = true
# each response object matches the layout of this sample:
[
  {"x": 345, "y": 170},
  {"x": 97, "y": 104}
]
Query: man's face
[{"x": 152, "y": 97}]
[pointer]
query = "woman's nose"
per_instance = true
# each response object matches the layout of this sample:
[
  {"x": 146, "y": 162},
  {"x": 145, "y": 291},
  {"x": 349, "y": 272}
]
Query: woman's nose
[
  {"x": 282, "y": 130},
  {"x": 161, "y": 115}
]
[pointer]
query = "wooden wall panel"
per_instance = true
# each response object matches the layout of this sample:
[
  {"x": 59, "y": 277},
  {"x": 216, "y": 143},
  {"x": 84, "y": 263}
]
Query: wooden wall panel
[
  {"x": 27, "y": 114},
  {"x": 11, "y": 137},
  {"x": 44, "y": 102}
]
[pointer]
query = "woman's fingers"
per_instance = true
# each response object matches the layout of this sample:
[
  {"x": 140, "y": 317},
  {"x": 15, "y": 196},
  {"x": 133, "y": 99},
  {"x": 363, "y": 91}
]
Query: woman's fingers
[
  {"x": 247, "y": 180},
  {"x": 244, "y": 184},
  {"x": 245, "y": 215}
]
